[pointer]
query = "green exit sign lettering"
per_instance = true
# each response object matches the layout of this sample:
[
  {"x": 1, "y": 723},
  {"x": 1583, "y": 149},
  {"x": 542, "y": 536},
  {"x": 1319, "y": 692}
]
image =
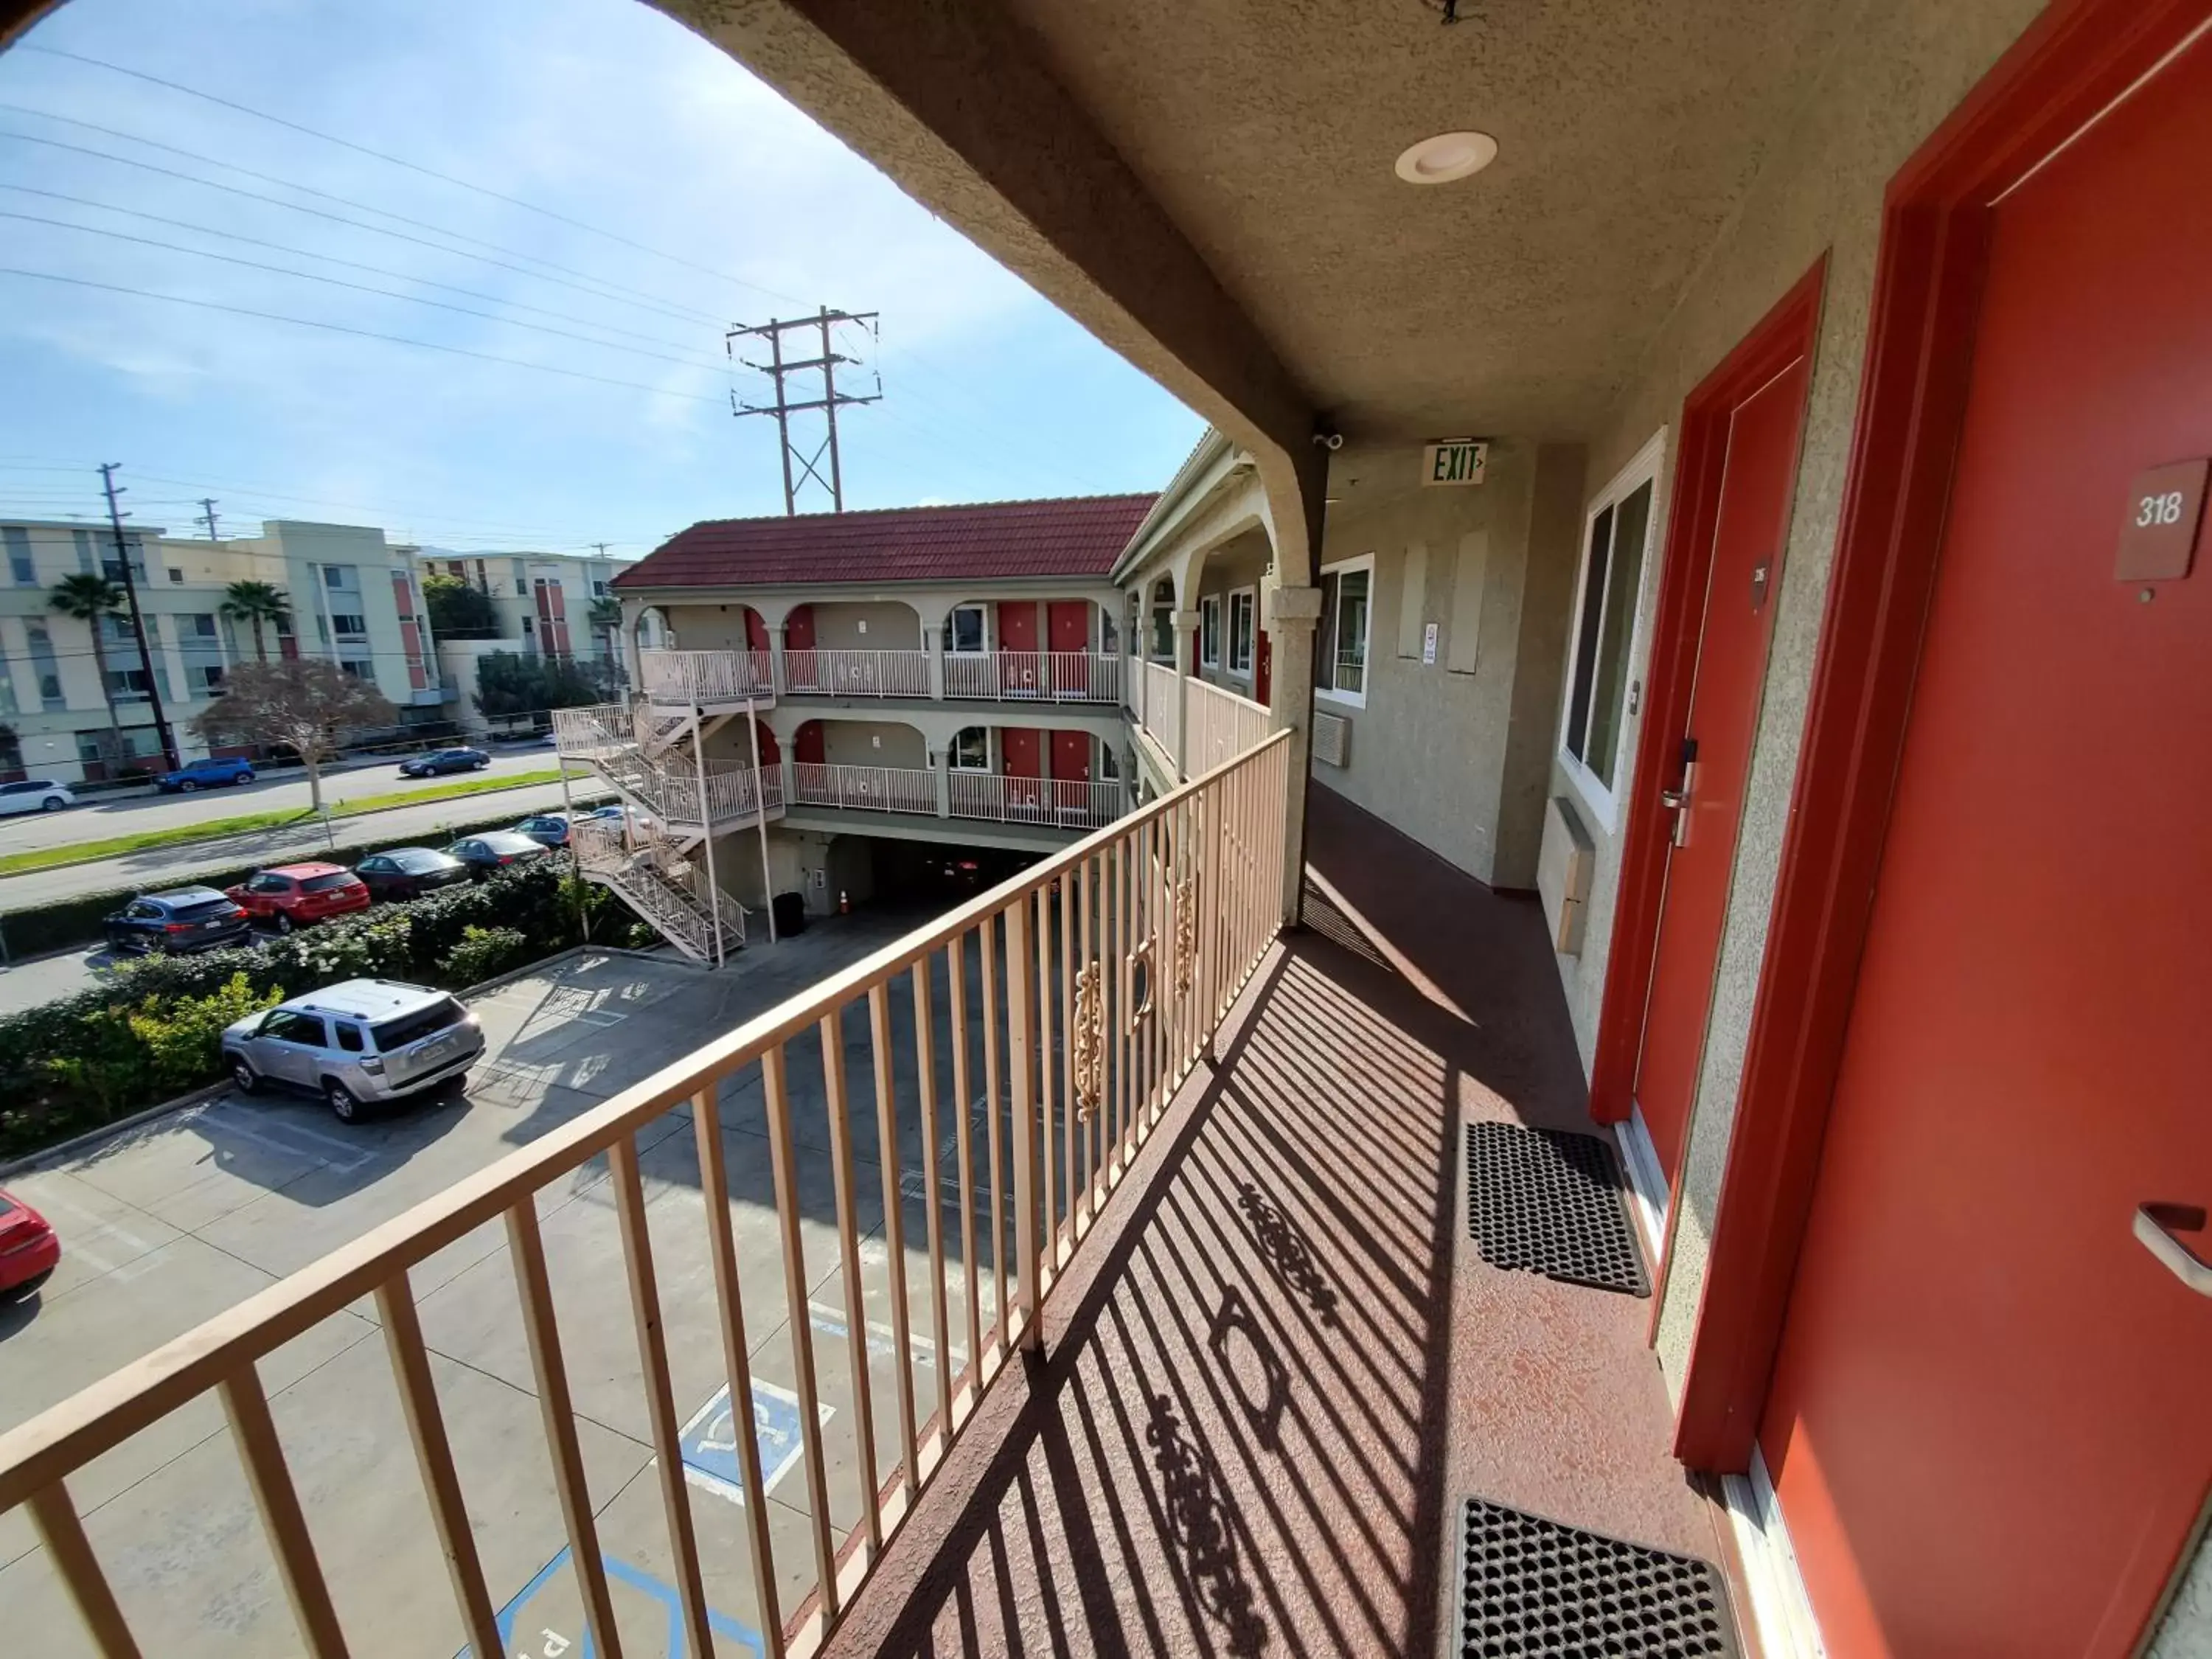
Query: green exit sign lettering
[{"x": 1454, "y": 461}]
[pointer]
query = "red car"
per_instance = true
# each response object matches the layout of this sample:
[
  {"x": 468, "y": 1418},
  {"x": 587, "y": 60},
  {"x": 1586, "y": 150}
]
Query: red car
[
  {"x": 292, "y": 895},
  {"x": 29, "y": 1248}
]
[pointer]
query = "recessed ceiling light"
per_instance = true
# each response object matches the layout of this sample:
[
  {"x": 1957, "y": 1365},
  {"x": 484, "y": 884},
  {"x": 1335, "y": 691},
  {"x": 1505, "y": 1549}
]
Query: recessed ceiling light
[{"x": 1447, "y": 157}]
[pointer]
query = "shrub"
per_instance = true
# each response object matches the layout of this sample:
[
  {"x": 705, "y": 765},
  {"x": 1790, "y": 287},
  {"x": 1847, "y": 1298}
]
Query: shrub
[
  {"x": 183, "y": 1040},
  {"x": 484, "y": 953}
]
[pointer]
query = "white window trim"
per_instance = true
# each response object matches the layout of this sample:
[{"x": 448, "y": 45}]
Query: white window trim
[
  {"x": 982, "y": 633},
  {"x": 1229, "y": 642},
  {"x": 1209, "y": 605},
  {"x": 1354, "y": 699},
  {"x": 1643, "y": 468}
]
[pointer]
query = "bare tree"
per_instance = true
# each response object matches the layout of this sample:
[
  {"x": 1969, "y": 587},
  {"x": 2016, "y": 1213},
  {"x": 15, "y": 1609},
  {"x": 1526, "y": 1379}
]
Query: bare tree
[{"x": 304, "y": 704}]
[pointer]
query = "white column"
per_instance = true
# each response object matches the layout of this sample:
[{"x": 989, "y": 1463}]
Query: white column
[
  {"x": 775, "y": 659},
  {"x": 941, "y": 764},
  {"x": 1186, "y": 630},
  {"x": 1293, "y": 613}
]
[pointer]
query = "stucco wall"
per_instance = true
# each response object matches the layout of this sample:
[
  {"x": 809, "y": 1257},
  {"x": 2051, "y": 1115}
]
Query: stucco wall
[
  {"x": 1454, "y": 752},
  {"x": 872, "y": 742},
  {"x": 866, "y": 625},
  {"x": 707, "y": 626}
]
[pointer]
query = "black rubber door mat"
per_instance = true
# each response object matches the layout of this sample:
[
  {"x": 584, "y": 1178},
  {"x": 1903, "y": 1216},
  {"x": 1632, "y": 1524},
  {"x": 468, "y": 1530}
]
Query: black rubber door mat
[
  {"x": 1530, "y": 1587},
  {"x": 1545, "y": 1201}
]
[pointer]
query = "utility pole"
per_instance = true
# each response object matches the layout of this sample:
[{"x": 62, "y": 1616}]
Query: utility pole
[
  {"x": 115, "y": 517},
  {"x": 781, "y": 370},
  {"x": 208, "y": 517},
  {"x": 602, "y": 546}
]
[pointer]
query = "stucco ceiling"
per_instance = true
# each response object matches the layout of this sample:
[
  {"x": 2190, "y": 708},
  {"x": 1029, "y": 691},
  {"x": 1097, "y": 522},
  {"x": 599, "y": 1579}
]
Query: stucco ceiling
[{"x": 1521, "y": 298}]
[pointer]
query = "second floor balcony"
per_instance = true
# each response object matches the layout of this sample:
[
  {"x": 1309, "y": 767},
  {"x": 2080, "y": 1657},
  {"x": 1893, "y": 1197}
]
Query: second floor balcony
[{"x": 727, "y": 679}]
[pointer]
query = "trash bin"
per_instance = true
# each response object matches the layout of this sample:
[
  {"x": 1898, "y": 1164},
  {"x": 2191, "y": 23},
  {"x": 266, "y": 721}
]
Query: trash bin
[{"x": 790, "y": 914}]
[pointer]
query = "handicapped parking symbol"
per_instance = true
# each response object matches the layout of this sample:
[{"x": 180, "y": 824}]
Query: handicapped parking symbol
[{"x": 545, "y": 1621}]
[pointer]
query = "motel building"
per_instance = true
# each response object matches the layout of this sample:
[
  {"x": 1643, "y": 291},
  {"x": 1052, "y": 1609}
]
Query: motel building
[{"x": 1605, "y": 1049}]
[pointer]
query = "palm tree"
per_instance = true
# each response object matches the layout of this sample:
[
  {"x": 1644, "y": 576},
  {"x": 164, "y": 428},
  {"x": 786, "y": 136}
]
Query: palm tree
[
  {"x": 89, "y": 598},
  {"x": 255, "y": 603}
]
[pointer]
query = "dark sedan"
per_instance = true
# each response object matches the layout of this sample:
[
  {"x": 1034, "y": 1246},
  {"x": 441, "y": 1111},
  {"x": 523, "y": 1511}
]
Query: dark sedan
[
  {"x": 487, "y": 854},
  {"x": 439, "y": 761},
  {"x": 408, "y": 872},
  {"x": 174, "y": 923},
  {"x": 549, "y": 829}
]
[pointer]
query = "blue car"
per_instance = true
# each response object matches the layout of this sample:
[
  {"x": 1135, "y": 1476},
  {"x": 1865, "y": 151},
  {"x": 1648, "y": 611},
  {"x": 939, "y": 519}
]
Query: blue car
[{"x": 204, "y": 775}]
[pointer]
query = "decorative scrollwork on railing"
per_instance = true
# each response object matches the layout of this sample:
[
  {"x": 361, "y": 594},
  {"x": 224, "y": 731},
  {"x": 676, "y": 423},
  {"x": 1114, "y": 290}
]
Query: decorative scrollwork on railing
[
  {"x": 1140, "y": 1009},
  {"x": 1185, "y": 934},
  {"x": 1089, "y": 1041}
]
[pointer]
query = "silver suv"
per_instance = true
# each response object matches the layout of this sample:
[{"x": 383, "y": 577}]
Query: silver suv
[{"x": 365, "y": 1042}]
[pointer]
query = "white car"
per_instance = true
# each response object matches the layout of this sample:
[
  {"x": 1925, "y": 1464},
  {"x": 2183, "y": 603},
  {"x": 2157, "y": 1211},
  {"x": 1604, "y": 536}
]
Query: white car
[{"x": 43, "y": 796}]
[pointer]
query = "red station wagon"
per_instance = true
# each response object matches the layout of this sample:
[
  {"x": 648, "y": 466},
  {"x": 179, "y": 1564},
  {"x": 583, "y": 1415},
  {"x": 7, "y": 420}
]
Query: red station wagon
[{"x": 292, "y": 895}]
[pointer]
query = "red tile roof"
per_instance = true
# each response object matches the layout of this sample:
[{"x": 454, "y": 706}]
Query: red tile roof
[{"x": 1070, "y": 536}]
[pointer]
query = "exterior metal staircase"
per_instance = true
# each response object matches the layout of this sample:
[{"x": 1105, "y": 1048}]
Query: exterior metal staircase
[{"x": 654, "y": 875}]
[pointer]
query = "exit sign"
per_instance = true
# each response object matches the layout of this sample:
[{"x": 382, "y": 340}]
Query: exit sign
[{"x": 1454, "y": 461}]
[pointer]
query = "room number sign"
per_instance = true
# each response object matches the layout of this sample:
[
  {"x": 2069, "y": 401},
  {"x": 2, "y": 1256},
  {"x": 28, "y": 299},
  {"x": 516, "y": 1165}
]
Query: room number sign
[{"x": 2158, "y": 535}]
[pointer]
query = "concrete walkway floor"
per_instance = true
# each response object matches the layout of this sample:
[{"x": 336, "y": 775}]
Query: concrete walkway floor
[{"x": 1279, "y": 1365}]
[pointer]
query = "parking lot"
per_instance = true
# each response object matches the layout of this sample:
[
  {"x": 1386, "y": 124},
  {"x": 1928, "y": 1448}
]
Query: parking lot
[{"x": 165, "y": 1225}]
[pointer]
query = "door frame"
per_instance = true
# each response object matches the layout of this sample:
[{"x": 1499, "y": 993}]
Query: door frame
[
  {"x": 1694, "y": 511},
  {"x": 2075, "y": 60}
]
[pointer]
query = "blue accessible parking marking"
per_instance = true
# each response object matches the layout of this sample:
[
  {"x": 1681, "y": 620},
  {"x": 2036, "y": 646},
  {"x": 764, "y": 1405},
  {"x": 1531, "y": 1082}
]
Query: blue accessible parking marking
[
  {"x": 709, "y": 1440},
  {"x": 544, "y": 1622}
]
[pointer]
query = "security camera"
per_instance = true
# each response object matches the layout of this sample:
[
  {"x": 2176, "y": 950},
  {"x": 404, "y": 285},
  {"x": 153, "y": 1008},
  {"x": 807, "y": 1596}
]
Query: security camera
[{"x": 1327, "y": 439}]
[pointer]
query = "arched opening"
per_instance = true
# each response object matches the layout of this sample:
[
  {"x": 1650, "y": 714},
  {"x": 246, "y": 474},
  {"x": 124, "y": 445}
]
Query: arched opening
[
  {"x": 856, "y": 648},
  {"x": 1231, "y": 647}
]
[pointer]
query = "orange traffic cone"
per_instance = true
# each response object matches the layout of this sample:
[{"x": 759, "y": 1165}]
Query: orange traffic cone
[{"x": 844, "y": 904}]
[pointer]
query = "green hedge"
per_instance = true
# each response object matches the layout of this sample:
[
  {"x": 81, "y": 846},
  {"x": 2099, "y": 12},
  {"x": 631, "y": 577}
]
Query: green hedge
[
  {"x": 39, "y": 929},
  {"x": 151, "y": 1033}
]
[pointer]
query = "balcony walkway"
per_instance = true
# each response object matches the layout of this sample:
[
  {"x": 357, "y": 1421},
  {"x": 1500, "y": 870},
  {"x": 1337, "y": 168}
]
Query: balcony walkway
[{"x": 1270, "y": 1382}]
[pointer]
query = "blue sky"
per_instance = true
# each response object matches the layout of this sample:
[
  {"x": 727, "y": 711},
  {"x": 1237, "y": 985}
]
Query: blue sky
[{"x": 688, "y": 195}]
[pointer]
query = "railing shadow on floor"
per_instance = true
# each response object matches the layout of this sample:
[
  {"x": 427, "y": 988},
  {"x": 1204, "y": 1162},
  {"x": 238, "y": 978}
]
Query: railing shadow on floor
[{"x": 1236, "y": 1440}]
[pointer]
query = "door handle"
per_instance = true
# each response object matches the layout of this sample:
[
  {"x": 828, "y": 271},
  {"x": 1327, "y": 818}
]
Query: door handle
[
  {"x": 1675, "y": 799},
  {"x": 2155, "y": 1226}
]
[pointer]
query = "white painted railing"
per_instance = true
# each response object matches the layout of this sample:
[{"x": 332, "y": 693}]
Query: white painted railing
[
  {"x": 613, "y": 741},
  {"x": 1067, "y": 804},
  {"x": 707, "y": 677},
  {"x": 659, "y": 880},
  {"x": 1034, "y": 676},
  {"x": 846, "y": 673},
  {"x": 1222, "y": 726},
  {"x": 1162, "y": 710},
  {"x": 1104, "y": 970},
  {"x": 870, "y": 788}
]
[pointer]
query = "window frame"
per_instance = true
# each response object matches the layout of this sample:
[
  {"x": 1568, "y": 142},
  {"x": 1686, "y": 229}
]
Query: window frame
[
  {"x": 1340, "y": 569},
  {"x": 1644, "y": 467},
  {"x": 952, "y": 761},
  {"x": 953, "y": 646},
  {"x": 1248, "y": 601},
  {"x": 1209, "y": 631}
]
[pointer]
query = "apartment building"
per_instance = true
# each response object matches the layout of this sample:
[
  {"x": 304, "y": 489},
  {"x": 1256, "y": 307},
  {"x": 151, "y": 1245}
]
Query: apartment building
[
  {"x": 945, "y": 674},
  {"x": 542, "y": 604},
  {"x": 354, "y": 598}
]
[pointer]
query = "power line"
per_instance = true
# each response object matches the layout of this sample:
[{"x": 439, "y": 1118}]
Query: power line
[
  {"x": 333, "y": 259},
  {"x": 412, "y": 166},
  {"x": 358, "y": 288},
  {"x": 361, "y": 333},
  {"x": 606, "y": 291}
]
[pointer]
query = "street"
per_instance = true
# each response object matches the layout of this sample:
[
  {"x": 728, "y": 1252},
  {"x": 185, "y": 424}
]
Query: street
[
  {"x": 150, "y": 870},
  {"x": 101, "y": 817},
  {"x": 169, "y": 1224}
]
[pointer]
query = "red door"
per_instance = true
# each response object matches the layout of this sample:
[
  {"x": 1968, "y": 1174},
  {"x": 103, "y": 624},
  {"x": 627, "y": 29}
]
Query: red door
[
  {"x": 756, "y": 629},
  {"x": 1018, "y": 647},
  {"x": 806, "y": 744},
  {"x": 1987, "y": 1422},
  {"x": 1752, "y": 518},
  {"x": 1070, "y": 774},
  {"x": 1262, "y": 657},
  {"x": 1022, "y": 759},
  {"x": 770, "y": 754},
  {"x": 1068, "y": 625}
]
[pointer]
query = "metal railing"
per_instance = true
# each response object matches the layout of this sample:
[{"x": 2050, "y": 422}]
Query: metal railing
[
  {"x": 846, "y": 673},
  {"x": 1162, "y": 710},
  {"x": 1034, "y": 676},
  {"x": 619, "y": 742},
  {"x": 701, "y": 678},
  {"x": 1104, "y": 970},
  {"x": 1062, "y": 804},
  {"x": 651, "y": 871},
  {"x": 1221, "y": 726},
  {"x": 870, "y": 788}
]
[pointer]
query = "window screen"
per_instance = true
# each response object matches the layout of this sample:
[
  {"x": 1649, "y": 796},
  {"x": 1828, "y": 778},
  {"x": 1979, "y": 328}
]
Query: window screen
[{"x": 1605, "y": 626}]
